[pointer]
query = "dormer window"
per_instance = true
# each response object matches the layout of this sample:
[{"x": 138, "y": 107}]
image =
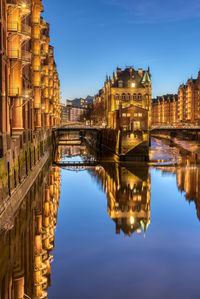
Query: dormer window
[
  {"x": 133, "y": 84},
  {"x": 120, "y": 84}
]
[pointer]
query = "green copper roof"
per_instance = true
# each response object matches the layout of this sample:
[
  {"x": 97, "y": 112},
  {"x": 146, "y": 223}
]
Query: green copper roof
[
  {"x": 144, "y": 225},
  {"x": 146, "y": 78}
]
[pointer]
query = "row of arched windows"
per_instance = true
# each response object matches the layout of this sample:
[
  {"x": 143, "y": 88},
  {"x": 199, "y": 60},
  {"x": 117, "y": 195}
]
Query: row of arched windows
[{"x": 128, "y": 97}]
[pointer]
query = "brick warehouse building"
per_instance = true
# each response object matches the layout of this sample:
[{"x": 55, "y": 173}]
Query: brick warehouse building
[
  {"x": 165, "y": 110},
  {"x": 30, "y": 90}
]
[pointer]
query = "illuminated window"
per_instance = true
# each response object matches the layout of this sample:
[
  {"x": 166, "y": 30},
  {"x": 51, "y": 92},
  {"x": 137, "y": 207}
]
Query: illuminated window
[
  {"x": 132, "y": 84},
  {"x": 136, "y": 125}
]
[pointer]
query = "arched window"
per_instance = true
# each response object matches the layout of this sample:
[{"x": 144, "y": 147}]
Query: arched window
[
  {"x": 123, "y": 96},
  {"x": 116, "y": 97},
  {"x": 128, "y": 97},
  {"x": 139, "y": 97},
  {"x": 134, "y": 97}
]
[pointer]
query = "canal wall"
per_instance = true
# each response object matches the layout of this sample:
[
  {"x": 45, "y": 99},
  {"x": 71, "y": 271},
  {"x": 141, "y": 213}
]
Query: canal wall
[
  {"x": 24, "y": 157},
  {"x": 125, "y": 145}
]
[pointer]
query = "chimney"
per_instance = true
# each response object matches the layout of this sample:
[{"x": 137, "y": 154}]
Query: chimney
[
  {"x": 140, "y": 72},
  {"x": 119, "y": 70}
]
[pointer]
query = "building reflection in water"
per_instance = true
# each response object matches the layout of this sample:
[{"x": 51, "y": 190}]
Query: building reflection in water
[
  {"x": 188, "y": 180},
  {"x": 28, "y": 240},
  {"x": 128, "y": 196}
]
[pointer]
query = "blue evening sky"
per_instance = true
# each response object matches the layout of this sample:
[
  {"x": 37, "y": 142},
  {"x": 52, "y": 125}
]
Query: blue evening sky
[{"x": 93, "y": 37}]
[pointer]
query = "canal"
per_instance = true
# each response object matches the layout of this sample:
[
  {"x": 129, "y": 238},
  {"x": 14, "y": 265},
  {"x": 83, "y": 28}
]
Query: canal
[{"x": 111, "y": 230}]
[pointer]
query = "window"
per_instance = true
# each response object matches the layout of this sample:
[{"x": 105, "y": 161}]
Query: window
[
  {"x": 116, "y": 97},
  {"x": 139, "y": 97},
  {"x": 128, "y": 97},
  {"x": 123, "y": 114},
  {"x": 123, "y": 96},
  {"x": 120, "y": 83},
  {"x": 136, "y": 125},
  {"x": 134, "y": 97}
]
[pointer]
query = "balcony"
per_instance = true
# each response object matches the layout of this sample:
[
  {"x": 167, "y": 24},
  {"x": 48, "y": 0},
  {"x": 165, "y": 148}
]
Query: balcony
[
  {"x": 43, "y": 38},
  {"x": 14, "y": 54},
  {"x": 24, "y": 5},
  {"x": 37, "y": 35},
  {"x": 26, "y": 31},
  {"x": 14, "y": 92},
  {"x": 36, "y": 21},
  {"x": 26, "y": 57},
  {"x": 37, "y": 83},
  {"x": 26, "y": 93},
  {"x": 36, "y": 68},
  {"x": 41, "y": 281},
  {"x": 36, "y": 52}
]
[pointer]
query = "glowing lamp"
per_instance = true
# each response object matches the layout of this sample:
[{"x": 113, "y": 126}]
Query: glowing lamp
[{"x": 133, "y": 85}]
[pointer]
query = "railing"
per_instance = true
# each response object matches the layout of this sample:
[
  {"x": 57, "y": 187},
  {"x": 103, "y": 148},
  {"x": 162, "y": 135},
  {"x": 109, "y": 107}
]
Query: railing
[
  {"x": 26, "y": 92},
  {"x": 14, "y": 92},
  {"x": 37, "y": 83},
  {"x": 43, "y": 38},
  {"x": 26, "y": 56},
  {"x": 24, "y": 3},
  {"x": 77, "y": 163},
  {"x": 13, "y": 27},
  {"x": 25, "y": 29},
  {"x": 36, "y": 52},
  {"x": 36, "y": 68},
  {"x": 36, "y": 20},
  {"x": 36, "y": 35},
  {"x": 14, "y": 54}
]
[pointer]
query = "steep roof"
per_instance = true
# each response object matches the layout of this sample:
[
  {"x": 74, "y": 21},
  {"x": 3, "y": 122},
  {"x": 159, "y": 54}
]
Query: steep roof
[
  {"x": 146, "y": 78},
  {"x": 129, "y": 74}
]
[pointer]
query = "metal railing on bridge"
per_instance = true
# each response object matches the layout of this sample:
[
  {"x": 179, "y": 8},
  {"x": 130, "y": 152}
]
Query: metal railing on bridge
[
  {"x": 175, "y": 127},
  {"x": 87, "y": 163}
]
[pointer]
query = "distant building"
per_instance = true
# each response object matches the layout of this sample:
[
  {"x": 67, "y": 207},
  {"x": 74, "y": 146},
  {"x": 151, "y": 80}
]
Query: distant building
[
  {"x": 81, "y": 102},
  {"x": 75, "y": 114},
  {"x": 165, "y": 109},
  {"x": 70, "y": 113},
  {"x": 189, "y": 101}
]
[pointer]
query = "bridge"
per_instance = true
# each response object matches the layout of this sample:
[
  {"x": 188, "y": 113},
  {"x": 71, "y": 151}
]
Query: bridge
[
  {"x": 77, "y": 128},
  {"x": 126, "y": 145},
  {"x": 76, "y": 163},
  {"x": 176, "y": 128}
]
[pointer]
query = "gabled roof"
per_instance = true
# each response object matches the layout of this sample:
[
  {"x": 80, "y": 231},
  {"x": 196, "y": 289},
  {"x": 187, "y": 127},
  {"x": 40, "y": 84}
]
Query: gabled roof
[{"x": 128, "y": 75}]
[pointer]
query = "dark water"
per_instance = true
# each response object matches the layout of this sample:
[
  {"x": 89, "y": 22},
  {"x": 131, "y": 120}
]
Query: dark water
[{"x": 121, "y": 231}]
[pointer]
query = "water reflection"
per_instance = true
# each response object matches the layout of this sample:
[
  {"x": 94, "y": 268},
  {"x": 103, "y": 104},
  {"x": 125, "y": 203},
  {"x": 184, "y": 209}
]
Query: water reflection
[
  {"x": 188, "y": 181},
  {"x": 128, "y": 196},
  {"x": 26, "y": 242},
  {"x": 27, "y": 238}
]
